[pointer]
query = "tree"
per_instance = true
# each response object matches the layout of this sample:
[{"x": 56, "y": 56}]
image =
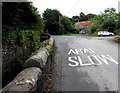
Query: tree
[
  {"x": 117, "y": 31},
  {"x": 66, "y": 25},
  {"x": 108, "y": 20},
  {"x": 75, "y": 19},
  {"x": 90, "y": 16},
  {"x": 118, "y": 24},
  {"x": 52, "y": 19},
  {"x": 110, "y": 10},
  {"x": 18, "y": 17},
  {"x": 83, "y": 17},
  {"x": 21, "y": 15}
]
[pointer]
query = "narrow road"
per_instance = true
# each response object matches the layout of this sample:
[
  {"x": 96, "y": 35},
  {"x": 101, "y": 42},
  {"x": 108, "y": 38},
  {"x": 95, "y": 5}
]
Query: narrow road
[{"x": 85, "y": 64}]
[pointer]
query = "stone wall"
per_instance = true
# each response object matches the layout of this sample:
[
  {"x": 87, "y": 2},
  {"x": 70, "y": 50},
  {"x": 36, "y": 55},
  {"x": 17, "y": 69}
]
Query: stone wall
[
  {"x": 10, "y": 53},
  {"x": 36, "y": 69}
]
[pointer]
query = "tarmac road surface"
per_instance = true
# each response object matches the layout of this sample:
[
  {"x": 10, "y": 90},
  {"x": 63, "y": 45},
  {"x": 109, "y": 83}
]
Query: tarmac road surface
[{"x": 84, "y": 63}]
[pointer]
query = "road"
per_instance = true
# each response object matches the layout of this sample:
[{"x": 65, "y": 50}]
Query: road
[{"x": 84, "y": 63}]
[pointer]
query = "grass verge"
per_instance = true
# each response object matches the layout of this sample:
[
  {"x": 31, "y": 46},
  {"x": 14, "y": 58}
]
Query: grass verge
[
  {"x": 93, "y": 34},
  {"x": 117, "y": 39},
  {"x": 70, "y": 34}
]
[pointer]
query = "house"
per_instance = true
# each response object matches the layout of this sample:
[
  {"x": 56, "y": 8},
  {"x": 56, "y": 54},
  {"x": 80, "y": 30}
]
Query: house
[{"x": 83, "y": 26}]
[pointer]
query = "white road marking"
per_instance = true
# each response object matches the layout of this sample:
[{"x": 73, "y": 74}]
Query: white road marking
[
  {"x": 71, "y": 51},
  {"x": 89, "y": 57},
  {"x": 87, "y": 51},
  {"x": 80, "y": 51},
  {"x": 109, "y": 58},
  {"x": 100, "y": 63},
  {"x": 80, "y": 61},
  {"x": 70, "y": 59},
  {"x": 76, "y": 51},
  {"x": 91, "y": 60},
  {"x": 75, "y": 61},
  {"x": 91, "y": 50}
]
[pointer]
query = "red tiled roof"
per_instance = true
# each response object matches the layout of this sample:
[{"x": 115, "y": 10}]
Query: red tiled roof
[{"x": 82, "y": 23}]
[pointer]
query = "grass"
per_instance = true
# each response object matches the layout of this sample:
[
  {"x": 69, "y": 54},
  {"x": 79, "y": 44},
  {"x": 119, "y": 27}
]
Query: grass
[
  {"x": 117, "y": 39},
  {"x": 71, "y": 34},
  {"x": 94, "y": 34}
]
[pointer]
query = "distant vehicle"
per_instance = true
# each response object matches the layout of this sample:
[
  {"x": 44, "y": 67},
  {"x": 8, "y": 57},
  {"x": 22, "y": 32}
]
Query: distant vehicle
[{"x": 105, "y": 33}]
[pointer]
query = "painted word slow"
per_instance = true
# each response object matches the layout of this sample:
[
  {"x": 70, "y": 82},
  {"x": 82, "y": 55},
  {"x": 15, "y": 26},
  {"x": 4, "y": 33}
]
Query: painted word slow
[{"x": 91, "y": 59}]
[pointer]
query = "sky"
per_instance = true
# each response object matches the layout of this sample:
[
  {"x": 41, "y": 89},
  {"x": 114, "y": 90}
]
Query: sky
[{"x": 74, "y": 7}]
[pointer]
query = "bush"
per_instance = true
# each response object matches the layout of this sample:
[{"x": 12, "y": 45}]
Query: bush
[
  {"x": 22, "y": 24},
  {"x": 76, "y": 31},
  {"x": 66, "y": 25},
  {"x": 93, "y": 34},
  {"x": 29, "y": 38},
  {"x": 117, "y": 39},
  {"x": 117, "y": 31},
  {"x": 93, "y": 29}
]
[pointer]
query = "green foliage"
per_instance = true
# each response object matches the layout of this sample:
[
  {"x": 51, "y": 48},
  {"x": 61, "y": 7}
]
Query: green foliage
[
  {"x": 65, "y": 25},
  {"x": 117, "y": 39},
  {"x": 55, "y": 23},
  {"x": 93, "y": 29},
  {"x": 76, "y": 31},
  {"x": 83, "y": 17},
  {"x": 108, "y": 20},
  {"x": 41, "y": 45},
  {"x": 21, "y": 16},
  {"x": 110, "y": 10},
  {"x": 75, "y": 19},
  {"x": 30, "y": 38},
  {"x": 92, "y": 34},
  {"x": 118, "y": 21},
  {"x": 70, "y": 34},
  {"x": 117, "y": 31},
  {"x": 98, "y": 20},
  {"x": 22, "y": 24},
  {"x": 90, "y": 16},
  {"x": 109, "y": 24},
  {"x": 51, "y": 20}
]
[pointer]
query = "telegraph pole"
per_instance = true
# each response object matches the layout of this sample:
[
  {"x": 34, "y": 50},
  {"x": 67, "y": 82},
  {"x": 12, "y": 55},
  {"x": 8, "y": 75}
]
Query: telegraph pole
[
  {"x": 119, "y": 7},
  {"x": 59, "y": 22}
]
